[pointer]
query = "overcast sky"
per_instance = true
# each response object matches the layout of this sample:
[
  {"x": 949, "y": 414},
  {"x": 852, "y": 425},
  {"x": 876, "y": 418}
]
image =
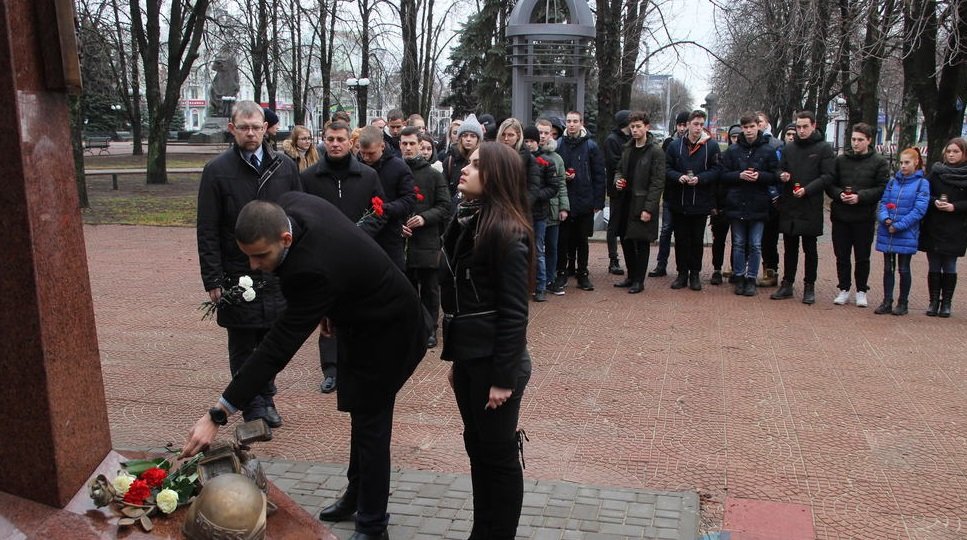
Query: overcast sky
[{"x": 689, "y": 20}]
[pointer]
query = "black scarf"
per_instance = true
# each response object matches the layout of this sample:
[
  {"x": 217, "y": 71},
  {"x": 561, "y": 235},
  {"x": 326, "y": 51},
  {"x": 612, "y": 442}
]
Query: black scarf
[
  {"x": 954, "y": 175},
  {"x": 468, "y": 211}
]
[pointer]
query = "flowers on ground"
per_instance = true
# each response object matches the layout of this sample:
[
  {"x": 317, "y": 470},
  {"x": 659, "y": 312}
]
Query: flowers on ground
[{"x": 143, "y": 486}]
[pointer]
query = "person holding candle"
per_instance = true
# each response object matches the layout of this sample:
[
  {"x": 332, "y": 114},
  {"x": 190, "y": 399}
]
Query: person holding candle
[
  {"x": 943, "y": 235},
  {"x": 860, "y": 177},
  {"x": 903, "y": 205}
]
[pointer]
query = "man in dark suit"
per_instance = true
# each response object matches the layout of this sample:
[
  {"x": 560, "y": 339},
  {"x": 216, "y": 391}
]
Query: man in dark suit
[
  {"x": 330, "y": 269},
  {"x": 247, "y": 171}
]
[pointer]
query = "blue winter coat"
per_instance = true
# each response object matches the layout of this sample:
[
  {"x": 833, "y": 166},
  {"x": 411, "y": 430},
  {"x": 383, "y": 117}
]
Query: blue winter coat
[
  {"x": 586, "y": 191},
  {"x": 909, "y": 197},
  {"x": 744, "y": 200},
  {"x": 703, "y": 160}
]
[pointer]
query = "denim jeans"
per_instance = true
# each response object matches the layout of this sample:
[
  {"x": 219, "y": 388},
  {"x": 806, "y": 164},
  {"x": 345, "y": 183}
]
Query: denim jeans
[
  {"x": 664, "y": 236},
  {"x": 540, "y": 226},
  {"x": 897, "y": 263},
  {"x": 746, "y": 247},
  {"x": 550, "y": 253}
]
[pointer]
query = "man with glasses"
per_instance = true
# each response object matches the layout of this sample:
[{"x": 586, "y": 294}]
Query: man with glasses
[{"x": 247, "y": 171}]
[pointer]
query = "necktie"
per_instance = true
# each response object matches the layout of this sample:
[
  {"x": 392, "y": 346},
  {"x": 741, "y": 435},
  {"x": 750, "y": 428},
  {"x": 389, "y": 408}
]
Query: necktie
[{"x": 254, "y": 160}]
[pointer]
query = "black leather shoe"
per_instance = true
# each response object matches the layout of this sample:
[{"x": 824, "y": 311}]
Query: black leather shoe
[
  {"x": 328, "y": 385},
  {"x": 659, "y": 271},
  {"x": 363, "y": 536},
  {"x": 680, "y": 281},
  {"x": 271, "y": 417},
  {"x": 624, "y": 283},
  {"x": 636, "y": 287},
  {"x": 431, "y": 341},
  {"x": 615, "y": 268},
  {"x": 341, "y": 510}
]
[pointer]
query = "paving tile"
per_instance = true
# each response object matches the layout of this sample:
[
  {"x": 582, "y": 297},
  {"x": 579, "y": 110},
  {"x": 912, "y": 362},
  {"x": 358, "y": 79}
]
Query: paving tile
[{"x": 859, "y": 417}]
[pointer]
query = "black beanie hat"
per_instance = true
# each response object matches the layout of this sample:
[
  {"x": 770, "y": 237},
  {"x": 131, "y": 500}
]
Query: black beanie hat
[
  {"x": 621, "y": 118},
  {"x": 270, "y": 117},
  {"x": 682, "y": 118},
  {"x": 531, "y": 133}
]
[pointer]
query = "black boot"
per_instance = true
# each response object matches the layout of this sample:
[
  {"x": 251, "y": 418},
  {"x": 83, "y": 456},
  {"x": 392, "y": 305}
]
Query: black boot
[
  {"x": 739, "y": 285},
  {"x": 809, "y": 293},
  {"x": 784, "y": 291},
  {"x": 695, "y": 282},
  {"x": 636, "y": 287},
  {"x": 680, "y": 281},
  {"x": 886, "y": 306},
  {"x": 901, "y": 307},
  {"x": 933, "y": 287},
  {"x": 615, "y": 268},
  {"x": 948, "y": 284}
]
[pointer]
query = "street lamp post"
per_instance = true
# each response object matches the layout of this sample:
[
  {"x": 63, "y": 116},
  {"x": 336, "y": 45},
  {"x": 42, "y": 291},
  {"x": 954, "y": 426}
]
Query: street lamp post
[{"x": 358, "y": 88}]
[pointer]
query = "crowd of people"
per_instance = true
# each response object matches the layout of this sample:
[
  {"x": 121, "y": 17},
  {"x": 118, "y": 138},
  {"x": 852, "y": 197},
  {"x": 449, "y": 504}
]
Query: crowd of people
[{"x": 495, "y": 215}]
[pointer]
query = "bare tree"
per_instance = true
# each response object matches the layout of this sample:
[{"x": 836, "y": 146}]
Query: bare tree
[
  {"x": 186, "y": 23},
  {"x": 935, "y": 69}
]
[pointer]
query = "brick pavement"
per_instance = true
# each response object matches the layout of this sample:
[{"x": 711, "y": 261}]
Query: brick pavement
[
  {"x": 427, "y": 505},
  {"x": 859, "y": 417}
]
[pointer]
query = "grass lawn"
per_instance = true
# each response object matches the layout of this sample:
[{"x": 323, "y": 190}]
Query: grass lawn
[{"x": 137, "y": 203}]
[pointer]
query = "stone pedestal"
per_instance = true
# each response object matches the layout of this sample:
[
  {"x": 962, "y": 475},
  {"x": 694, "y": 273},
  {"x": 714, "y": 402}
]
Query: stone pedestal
[
  {"x": 54, "y": 421},
  {"x": 214, "y": 130}
]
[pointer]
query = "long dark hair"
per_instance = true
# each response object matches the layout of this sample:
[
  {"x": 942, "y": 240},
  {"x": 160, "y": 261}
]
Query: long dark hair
[{"x": 506, "y": 213}]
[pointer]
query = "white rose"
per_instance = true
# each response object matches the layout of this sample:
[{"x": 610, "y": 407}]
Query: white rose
[
  {"x": 122, "y": 482},
  {"x": 167, "y": 500},
  {"x": 245, "y": 282},
  {"x": 248, "y": 295}
]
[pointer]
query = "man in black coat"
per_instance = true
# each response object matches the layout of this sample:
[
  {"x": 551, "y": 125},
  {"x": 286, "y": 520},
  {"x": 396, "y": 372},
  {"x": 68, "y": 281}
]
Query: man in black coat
[
  {"x": 350, "y": 186},
  {"x": 398, "y": 194},
  {"x": 247, "y": 171},
  {"x": 423, "y": 229},
  {"x": 614, "y": 145},
  {"x": 806, "y": 168},
  {"x": 328, "y": 268}
]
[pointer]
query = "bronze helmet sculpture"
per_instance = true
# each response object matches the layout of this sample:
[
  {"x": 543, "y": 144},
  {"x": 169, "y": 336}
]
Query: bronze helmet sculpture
[{"x": 229, "y": 507}]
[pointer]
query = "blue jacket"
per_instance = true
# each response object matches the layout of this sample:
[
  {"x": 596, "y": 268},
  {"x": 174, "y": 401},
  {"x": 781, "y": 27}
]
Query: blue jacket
[
  {"x": 586, "y": 192},
  {"x": 905, "y": 203},
  {"x": 744, "y": 200},
  {"x": 703, "y": 160}
]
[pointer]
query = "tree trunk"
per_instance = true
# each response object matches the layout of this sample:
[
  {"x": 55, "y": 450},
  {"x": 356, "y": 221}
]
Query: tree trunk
[
  {"x": 77, "y": 149},
  {"x": 158, "y": 152},
  {"x": 607, "y": 52},
  {"x": 137, "y": 132},
  {"x": 409, "y": 70}
]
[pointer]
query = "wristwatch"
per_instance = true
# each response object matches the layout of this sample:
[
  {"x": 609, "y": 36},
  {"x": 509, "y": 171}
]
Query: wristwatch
[{"x": 218, "y": 415}]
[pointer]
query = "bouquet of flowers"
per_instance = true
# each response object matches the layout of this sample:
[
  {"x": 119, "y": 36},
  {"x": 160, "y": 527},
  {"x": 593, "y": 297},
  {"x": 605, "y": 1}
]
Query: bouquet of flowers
[
  {"x": 372, "y": 221},
  {"x": 245, "y": 290},
  {"x": 419, "y": 196},
  {"x": 143, "y": 486},
  {"x": 376, "y": 209}
]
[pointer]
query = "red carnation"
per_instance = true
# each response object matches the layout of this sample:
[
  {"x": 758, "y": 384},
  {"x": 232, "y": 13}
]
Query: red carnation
[
  {"x": 542, "y": 162},
  {"x": 154, "y": 476},
  {"x": 419, "y": 197},
  {"x": 890, "y": 206},
  {"x": 377, "y": 206},
  {"x": 137, "y": 493}
]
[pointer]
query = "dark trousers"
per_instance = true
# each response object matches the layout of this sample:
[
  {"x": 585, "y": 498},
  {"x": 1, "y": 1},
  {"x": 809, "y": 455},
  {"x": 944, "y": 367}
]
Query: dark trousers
[
  {"x": 612, "y": 237},
  {"x": 664, "y": 237},
  {"x": 328, "y": 350},
  {"x": 573, "y": 242},
  {"x": 853, "y": 240},
  {"x": 369, "y": 467},
  {"x": 426, "y": 281},
  {"x": 897, "y": 263},
  {"x": 636, "y": 258},
  {"x": 790, "y": 259},
  {"x": 241, "y": 343},
  {"x": 720, "y": 231},
  {"x": 689, "y": 242},
  {"x": 490, "y": 437},
  {"x": 770, "y": 242}
]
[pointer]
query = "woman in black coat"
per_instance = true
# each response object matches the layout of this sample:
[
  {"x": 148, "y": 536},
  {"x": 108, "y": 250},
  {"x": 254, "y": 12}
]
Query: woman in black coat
[
  {"x": 485, "y": 278},
  {"x": 943, "y": 234}
]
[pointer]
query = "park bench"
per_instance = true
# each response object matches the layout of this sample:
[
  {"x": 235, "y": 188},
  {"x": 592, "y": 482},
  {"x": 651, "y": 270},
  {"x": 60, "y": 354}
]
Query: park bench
[
  {"x": 114, "y": 173},
  {"x": 101, "y": 144}
]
